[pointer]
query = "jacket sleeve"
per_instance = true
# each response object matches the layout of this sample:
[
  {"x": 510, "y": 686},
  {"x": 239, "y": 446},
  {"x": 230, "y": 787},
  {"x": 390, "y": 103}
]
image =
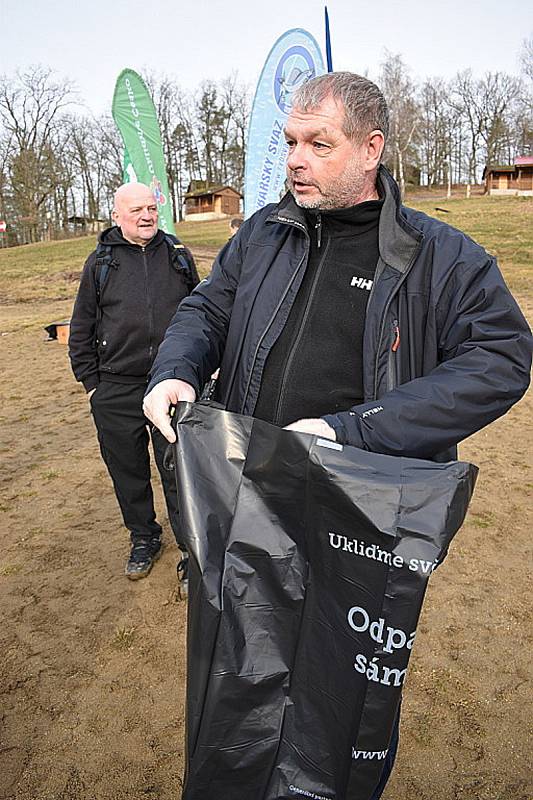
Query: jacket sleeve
[
  {"x": 485, "y": 359},
  {"x": 82, "y": 340},
  {"x": 194, "y": 342}
]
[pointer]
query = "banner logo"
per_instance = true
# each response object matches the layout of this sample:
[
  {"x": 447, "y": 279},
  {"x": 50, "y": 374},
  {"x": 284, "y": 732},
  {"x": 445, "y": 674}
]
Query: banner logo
[
  {"x": 295, "y": 67},
  {"x": 157, "y": 191},
  {"x": 293, "y": 60}
]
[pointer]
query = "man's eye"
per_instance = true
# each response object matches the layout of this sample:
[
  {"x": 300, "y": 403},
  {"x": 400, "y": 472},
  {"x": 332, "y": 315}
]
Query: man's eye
[{"x": 320, "y": 146}]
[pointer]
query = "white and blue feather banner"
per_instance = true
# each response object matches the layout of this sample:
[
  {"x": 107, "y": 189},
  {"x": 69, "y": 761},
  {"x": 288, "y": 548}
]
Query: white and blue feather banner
[{"x": 294, "y": 59}]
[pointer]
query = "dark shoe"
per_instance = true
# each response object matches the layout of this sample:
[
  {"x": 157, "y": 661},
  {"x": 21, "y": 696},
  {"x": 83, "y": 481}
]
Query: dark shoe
[
  {"x": 183, "y": 576},
  {"x": 144, "y": 554}
]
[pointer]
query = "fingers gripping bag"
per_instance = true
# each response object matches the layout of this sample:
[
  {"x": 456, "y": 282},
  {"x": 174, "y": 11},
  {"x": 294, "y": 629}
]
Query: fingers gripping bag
[{"x": 309, "y": 562}]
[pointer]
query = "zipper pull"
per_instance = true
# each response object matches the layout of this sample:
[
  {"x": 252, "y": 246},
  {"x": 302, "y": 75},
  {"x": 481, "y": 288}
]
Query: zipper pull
[
  {"x": 396, "y": 331},
  {"x": 318, "y": 228}
]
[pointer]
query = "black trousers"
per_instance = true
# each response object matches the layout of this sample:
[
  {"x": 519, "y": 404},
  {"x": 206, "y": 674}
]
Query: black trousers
[{"x": 123, "y": 437}]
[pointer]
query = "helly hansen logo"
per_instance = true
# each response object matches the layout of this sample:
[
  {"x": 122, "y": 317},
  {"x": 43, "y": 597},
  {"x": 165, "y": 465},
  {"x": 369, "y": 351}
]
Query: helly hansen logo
[
  {"x": 362, "y": 283},
  {"x": 370, "y": 411}
]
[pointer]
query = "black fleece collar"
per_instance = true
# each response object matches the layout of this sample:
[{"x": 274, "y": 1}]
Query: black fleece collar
[
  {"x": 351, "y": 221},
  {"x": 113, "y": 236},
  {"x": 398, "y": 240}
]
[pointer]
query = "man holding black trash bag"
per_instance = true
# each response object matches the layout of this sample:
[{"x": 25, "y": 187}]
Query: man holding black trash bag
[{"x": 341, "y": 313}]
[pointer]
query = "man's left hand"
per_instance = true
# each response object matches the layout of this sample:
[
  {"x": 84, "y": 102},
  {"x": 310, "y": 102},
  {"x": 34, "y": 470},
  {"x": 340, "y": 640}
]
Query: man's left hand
[{"x": 317, "y": 427}]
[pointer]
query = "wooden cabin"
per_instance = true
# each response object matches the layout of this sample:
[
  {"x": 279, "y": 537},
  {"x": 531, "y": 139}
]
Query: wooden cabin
[
  {"x": 86, "y": 225},
  {"x": 211, "y": 202},
  {"x": 505, "y": 179}
]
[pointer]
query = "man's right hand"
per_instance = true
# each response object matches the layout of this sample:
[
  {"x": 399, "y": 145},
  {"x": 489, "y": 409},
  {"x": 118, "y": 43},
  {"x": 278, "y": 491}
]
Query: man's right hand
[{"x": 157, "y": 403}]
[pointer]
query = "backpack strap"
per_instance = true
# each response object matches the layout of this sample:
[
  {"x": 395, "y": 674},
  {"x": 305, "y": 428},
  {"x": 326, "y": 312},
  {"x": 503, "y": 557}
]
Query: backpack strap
[
  {"x": 104, "y": 260},
  {"x": 183, "y": 261}
]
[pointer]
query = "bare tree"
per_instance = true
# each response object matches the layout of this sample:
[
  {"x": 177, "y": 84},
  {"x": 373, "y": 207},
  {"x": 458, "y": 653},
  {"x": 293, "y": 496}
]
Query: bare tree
[
  {"x": 467, "y": 101},
  {"x": 499, "y": 95},
  {"x": 210, "y": 126},
  {"x": 111, "y": 143},
  {"x": 31, "y": 105},
  {"x": 526, "y": 58},
  {"x": 435, "y": 125},
  {"x": 168, "y": 98},
  {"x": 203, "y": 135},
  {"x": 236, "y": 97},
  {"x": 486, "y": 106},
  {"x": 95, "y": 154},
  {"x": 399, "y": 91},
  {"x": 524, "y": 118},
  {"x": 54, "y": 164}
]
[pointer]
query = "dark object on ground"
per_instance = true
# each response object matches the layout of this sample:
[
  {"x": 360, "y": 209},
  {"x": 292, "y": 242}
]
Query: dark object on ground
[
  {"x": 308, "y": 567},
  {"x": 58, "y": 331},
  {"x": 144, "y": 553},
  {"x": 444, "y": 210}
]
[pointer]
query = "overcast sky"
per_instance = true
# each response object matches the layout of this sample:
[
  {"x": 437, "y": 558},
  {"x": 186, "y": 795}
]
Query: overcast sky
[{"x": 189, "y": 41}]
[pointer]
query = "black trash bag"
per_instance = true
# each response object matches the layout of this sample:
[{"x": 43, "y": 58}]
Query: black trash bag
[{"x": 308, "y": 566}]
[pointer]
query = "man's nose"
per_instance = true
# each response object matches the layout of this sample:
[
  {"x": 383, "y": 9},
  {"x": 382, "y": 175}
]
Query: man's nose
[{"x": 296, "y": 158}]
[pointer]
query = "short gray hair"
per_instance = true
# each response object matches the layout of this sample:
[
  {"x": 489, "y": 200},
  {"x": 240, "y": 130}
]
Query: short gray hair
[{"x": 365, "y": 108}]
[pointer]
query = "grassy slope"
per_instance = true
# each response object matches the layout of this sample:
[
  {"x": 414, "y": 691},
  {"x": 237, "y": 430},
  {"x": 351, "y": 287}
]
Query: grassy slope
[
  {"x": 49, "y": 271},
  {"x": 503, "y": 225}
]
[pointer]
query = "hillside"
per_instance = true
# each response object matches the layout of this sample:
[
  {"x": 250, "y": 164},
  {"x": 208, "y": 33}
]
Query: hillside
[{"x": 50, "y": 271}]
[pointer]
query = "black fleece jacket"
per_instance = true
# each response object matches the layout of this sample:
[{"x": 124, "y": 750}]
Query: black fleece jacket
[
  {"x": 118, "y": 340},
  {"x": 316, "y": 365}
]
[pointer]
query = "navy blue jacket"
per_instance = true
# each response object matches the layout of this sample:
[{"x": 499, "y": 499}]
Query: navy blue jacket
[{"x": 446, "y": 348}]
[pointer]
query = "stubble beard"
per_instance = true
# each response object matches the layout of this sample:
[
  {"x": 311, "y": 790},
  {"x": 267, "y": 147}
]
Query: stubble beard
[{"x": 348, "y": 190}]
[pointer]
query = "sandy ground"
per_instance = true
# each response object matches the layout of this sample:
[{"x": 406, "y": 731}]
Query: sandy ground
[{"x": 92, "y": 674}]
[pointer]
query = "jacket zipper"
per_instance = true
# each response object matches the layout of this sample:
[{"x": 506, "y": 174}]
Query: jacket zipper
[
  {"x": 149, "y": 306},
  {"x": 292, "y": 352},
  {"x": 392, "y": 377},
  {"x": 381, "y": 335},
  {"x": 274, "y": 313},
  {"x": 318, "y": 228},
  {"x": 382, "y": 330}
]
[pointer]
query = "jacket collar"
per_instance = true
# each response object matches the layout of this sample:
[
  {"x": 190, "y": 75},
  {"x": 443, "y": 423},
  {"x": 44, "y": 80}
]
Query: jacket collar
[
  {"x": 398, "y": 240},
  {"x": 288, "y": 213},
  {"x": 113, "y": 236}
]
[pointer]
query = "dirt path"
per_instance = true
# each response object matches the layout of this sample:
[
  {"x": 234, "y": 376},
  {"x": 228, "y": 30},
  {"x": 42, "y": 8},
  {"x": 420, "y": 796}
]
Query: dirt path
[{"x": 92, "y": 665}]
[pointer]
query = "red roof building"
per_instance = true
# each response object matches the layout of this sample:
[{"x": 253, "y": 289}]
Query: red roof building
[
  {"x": 524, "y": 161},
  {"x": 515, "y": 179}
]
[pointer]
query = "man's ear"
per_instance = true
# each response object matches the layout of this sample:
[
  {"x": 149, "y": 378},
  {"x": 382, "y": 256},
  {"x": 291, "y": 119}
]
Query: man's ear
[
  {"x": 114, "y": 216},
  {"x": 375, "y": 142}
]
